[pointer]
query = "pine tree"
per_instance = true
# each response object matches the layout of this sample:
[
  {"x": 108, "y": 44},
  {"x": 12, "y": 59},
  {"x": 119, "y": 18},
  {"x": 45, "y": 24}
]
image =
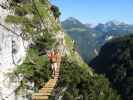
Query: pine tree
[{"x": 55, "y": 11}]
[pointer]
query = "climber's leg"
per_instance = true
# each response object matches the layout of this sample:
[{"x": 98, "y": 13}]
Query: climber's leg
[
  {"x": 52, "y": 65},
  {"x": 55, "y": 68}
]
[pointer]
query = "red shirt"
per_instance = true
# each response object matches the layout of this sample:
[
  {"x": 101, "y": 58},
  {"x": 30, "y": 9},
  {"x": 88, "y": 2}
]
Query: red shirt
[
  {"x": 49, "y": 56},
  {"x": 52, "y": 57}
]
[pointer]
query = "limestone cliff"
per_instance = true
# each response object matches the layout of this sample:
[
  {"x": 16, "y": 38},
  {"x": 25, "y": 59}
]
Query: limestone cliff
[{"x": 12, "y": 52}]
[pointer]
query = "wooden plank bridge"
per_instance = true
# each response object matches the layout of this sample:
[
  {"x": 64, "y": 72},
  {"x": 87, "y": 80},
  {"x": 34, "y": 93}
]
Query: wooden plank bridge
[{"x": 47, "y": 89}]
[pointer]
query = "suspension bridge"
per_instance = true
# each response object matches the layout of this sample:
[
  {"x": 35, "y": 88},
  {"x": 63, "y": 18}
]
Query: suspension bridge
[{"x": 48, "y": 89}]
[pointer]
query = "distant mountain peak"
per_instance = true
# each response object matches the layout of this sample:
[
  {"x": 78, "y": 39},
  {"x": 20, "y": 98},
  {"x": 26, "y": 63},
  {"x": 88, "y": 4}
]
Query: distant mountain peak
[
  {"x": 115, "y": 22},
  {"x": 73, "y": 20}
]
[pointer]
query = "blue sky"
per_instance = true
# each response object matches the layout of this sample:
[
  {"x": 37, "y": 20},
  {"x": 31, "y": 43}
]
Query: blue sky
[{"x": 96, "y": 11}]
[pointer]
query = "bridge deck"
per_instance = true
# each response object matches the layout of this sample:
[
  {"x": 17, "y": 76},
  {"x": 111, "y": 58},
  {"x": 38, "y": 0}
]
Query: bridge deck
[{"x": 47, "y": 89}]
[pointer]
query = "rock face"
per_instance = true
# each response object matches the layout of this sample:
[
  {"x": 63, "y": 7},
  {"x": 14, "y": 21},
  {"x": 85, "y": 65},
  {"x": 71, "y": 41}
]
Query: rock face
[
  {"x": 12, "y": 52},
  {"x": 12, "y": 47}
]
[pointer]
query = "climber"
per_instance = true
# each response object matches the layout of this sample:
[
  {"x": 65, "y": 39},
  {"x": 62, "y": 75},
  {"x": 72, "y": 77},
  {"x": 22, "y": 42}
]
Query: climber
[
  {"x": 53, "y": 60},
  {"x": 58, "y": 57}
]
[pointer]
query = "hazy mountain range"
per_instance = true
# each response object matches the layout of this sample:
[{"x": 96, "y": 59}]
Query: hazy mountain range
[{"x": 90, "y": 39}]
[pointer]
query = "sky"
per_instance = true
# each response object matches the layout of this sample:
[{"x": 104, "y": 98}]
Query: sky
[{"x": 96, "y": 11}]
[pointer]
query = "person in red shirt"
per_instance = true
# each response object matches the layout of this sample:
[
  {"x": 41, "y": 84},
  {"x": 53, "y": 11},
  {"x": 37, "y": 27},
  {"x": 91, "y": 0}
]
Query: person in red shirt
[{"x": 53, "y": 60}]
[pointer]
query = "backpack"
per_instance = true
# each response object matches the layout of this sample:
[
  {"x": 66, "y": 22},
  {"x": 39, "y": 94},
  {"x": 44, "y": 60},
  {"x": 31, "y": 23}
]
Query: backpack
[
  {"x": 49, "y": 56},
  {"x": 54, "y": 58}
]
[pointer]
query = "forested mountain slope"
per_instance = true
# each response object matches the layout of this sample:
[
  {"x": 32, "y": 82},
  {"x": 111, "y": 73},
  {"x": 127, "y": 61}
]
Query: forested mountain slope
[{"x": 115, "y": 60}]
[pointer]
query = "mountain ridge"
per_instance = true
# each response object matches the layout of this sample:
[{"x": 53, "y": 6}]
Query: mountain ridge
[{"x": 90, "y": 39}]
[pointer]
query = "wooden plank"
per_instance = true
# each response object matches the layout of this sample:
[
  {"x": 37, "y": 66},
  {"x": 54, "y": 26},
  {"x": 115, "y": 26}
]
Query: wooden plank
[
  {"x": 50, "y": 85},
  {"x": 42, "y": 94},
  {"x": 40, "y": 97},
  {"x": 47, "y": 88},
  {"x": 52, "y": 82},
  {"x": 45, "y": 91}
]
